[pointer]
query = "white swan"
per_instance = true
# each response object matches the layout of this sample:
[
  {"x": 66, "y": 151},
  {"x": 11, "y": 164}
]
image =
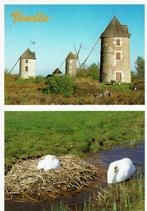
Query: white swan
[
  {"x": 120, "y": 170},
  {"x": 41, "y": 164},
  {"x": 48, "y": 162}
]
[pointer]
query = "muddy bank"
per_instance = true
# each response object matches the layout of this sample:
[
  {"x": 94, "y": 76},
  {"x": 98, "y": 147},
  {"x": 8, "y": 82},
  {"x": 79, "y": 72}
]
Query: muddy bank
[{"x": 76, "y": 200}]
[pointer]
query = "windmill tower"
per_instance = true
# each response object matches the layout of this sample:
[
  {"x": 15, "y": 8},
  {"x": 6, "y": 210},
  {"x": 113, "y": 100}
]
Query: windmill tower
[
  {"x": 115, "y": 53},
  {"x": 27, "y": 66},
  {"x": 70, "y": 68}
]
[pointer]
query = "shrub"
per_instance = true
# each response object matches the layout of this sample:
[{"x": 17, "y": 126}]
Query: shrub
[
  {"x": 39, "y": 79},
  {"x": 91, "y": 72},
  {"x": 82, "y": 72},
  {"x": 63, "y": 85}
]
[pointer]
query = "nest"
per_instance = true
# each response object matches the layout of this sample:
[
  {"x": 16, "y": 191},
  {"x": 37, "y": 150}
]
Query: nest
[{"x": 25, "y": 183}]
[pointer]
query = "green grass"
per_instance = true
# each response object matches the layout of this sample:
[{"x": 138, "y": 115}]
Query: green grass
[
  {"x": 127, "y": 196},
  {"x": 122, "y": 88},
  {"x": 32, "y": 134}
]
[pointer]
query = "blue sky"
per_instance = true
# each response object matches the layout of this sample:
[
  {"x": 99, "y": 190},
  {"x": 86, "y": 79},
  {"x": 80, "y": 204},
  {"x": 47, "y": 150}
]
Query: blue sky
[{"x": 68, "y": 25}]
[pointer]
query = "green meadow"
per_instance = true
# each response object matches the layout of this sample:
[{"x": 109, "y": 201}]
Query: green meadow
[{"x": 33, "y": 134}]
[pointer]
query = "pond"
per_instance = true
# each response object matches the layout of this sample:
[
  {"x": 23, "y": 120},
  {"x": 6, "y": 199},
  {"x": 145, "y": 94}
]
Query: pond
[
  {"x": 76, "y": 200},
  {"x": 135, "y": 153}
]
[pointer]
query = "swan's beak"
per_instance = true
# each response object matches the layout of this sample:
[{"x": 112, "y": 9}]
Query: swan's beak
[{"x": 116, "y": 169}]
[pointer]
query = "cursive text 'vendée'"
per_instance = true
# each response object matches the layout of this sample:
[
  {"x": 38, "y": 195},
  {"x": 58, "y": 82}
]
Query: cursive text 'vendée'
[{"x": 19, "y": 17}]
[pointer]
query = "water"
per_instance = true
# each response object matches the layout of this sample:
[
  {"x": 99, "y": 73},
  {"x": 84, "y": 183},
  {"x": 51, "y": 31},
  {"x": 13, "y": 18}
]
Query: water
[
  {"x": 76, "y": 200},
  {"x": 136, "y": 154}
]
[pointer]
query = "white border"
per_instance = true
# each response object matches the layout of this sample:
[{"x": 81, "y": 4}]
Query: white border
[
  {"x": 74, "y": 2},
  {"x": 145, "y": 107},
  {"x": 59, "y": 107},
  {"x": 74, "y": 108},
  {"x": 2, "y": 107}
]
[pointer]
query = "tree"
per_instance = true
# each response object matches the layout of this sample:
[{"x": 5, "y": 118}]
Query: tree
[
  {"x": 90, "y": 72},
  {"x": 93, "y": 71},
  {"x": 139, "y": 66}
]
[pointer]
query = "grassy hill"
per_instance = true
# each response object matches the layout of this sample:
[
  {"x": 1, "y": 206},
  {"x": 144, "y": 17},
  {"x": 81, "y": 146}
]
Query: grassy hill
[{"x": 86, "y": 90}]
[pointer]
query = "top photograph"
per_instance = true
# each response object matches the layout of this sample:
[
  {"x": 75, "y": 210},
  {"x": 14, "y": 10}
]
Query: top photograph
[{"x": 74, "y": 54}]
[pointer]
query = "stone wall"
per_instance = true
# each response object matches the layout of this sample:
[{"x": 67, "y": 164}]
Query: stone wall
[
  {"x": 110, "y": 66},
  {"x": 27, "y": 72}
]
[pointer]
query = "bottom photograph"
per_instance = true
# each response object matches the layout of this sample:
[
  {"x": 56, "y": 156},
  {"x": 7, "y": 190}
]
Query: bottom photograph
[{"x": 74, "y": 160}]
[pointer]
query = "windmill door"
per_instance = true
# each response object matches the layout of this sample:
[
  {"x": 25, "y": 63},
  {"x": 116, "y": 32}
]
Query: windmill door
[{"x": 119, "y": 76}]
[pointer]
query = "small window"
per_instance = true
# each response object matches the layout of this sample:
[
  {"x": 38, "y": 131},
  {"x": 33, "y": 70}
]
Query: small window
[
  {"x": 26, "y": 60},
  {"x": 118, "y": 55},
  {"x": 26, "y": 68},
  {"x": 117, "y": 42}
]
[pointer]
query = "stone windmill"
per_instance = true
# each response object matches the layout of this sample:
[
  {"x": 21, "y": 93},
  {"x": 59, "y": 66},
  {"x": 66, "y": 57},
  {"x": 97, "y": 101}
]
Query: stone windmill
[
  {"x": 115, "y": 53},
  {"x": 70, "y": 68},
  {"x": 27, "y": 66}
]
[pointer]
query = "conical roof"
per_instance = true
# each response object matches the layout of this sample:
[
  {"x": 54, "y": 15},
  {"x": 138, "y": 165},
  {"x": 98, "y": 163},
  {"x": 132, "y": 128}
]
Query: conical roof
[
  {"x": 57, "y": 71},
  {"x": 71, "y": 56},
  {"x": 115, "y": 29},
  {"x": 28, "y": 54}
]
